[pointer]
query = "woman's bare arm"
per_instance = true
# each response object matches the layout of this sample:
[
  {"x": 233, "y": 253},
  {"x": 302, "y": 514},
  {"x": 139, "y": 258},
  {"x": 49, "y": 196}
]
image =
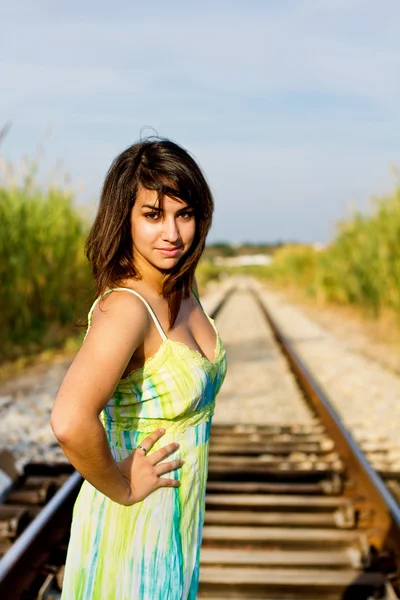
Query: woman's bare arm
[{"x": 117, "y": 330}]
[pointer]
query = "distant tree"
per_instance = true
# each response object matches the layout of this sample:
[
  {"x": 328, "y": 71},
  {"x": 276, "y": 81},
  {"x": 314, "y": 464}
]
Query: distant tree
[{"x": 221, "y": 249}]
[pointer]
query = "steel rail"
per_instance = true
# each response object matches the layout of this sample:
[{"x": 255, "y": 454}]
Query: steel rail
[
  {"x": 32, "y": 548},
  {"x": 385, "y": 534}
]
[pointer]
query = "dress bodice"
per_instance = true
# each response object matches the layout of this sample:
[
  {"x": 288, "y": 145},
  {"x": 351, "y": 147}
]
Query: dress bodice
[{"x": 175, "y": 388}]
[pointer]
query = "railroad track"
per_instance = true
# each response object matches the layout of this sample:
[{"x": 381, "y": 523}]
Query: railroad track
[
  {"x": 284, "y": 519},
  {"x": 292, "y": 511}
]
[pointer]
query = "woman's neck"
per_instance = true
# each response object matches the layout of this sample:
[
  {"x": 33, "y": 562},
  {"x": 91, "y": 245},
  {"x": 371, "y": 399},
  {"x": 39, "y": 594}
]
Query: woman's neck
[{"x": 150, "y": 277}]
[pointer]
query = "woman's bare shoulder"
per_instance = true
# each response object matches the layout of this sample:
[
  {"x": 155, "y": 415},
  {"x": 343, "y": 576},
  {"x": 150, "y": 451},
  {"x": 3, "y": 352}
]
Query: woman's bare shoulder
[{"x": 123, "y": 312}]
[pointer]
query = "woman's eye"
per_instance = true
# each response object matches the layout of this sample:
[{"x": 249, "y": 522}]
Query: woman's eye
[{"x": 152, "y": 216}]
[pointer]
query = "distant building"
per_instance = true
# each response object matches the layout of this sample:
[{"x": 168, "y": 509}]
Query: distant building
[
  {"x": 318, "y": 246},
  {"x": 243, "y": 260}
]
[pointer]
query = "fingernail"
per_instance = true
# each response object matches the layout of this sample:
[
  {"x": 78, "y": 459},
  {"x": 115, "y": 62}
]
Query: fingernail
[{"x": 162, "y": 429}]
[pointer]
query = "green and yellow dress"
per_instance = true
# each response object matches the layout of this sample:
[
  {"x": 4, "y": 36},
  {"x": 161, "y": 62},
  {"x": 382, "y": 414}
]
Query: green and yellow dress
[{"x": 150, "y": 550}]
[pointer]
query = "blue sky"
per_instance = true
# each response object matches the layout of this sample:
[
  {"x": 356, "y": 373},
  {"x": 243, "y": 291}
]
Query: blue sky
[{"x": 291, "y": 107}]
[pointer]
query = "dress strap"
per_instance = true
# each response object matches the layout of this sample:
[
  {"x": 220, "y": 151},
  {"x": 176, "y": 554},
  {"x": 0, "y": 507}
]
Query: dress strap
[
  {"x": 197, "y": 298},
  {"x": 156, "y": 321}
]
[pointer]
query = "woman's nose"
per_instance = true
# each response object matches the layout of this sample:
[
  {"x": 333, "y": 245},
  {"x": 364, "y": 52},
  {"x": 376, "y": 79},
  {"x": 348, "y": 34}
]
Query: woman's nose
[{"x": 170, "y": 230}]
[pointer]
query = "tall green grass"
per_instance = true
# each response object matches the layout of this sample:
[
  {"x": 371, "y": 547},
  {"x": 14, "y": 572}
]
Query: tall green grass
[
  {"x": 361, "y": 266},
  {"x": 45, "y": 278}
]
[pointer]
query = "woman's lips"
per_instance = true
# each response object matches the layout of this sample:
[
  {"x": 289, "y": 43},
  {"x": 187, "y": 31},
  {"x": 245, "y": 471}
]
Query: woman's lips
[{"x": 171, "y": 252}]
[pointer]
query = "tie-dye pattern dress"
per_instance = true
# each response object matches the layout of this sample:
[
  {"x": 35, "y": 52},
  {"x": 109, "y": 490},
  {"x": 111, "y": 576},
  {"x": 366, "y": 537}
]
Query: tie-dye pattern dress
[{"x": 150, "y": 550}]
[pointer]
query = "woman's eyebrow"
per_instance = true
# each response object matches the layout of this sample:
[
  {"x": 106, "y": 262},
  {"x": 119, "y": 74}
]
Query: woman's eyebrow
[
  {"x": 152, "y": 206},
  {"x": 185, "y": 208}
]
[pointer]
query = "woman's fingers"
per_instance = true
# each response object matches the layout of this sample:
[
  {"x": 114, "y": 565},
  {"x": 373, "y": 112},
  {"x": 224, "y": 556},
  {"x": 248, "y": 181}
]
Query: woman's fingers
[
  {"x": 151, "y": 439},
  {"x": 168, "y": 466},
  {"x": 155, "y": 457},
  {"x": 164, "y": 482},
  {"x": 158, "y": 455}
]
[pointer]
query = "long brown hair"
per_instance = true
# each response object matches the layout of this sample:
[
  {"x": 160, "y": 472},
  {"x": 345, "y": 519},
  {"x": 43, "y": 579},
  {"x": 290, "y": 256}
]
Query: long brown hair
[{"x": 166, "y": 167}]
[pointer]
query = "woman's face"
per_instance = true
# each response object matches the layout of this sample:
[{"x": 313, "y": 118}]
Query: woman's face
[{"x": 161, "y": 235}]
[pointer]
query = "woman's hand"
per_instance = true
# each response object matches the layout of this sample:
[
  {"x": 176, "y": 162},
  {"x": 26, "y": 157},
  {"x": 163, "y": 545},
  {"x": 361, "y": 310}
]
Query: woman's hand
[{"x": 142, "y": 473}]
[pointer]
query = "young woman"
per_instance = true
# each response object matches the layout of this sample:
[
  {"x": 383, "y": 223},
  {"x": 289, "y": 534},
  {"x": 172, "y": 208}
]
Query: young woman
[{"x": 150, "y": 366}]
